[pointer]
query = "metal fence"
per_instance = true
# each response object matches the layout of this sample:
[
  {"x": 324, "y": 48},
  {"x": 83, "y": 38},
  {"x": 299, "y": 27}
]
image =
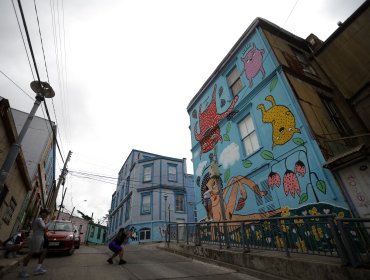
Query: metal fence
[{"x": 348, "y": 239}]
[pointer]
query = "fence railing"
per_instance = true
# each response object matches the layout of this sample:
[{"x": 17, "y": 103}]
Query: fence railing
[{"x": 348, "y": 239}]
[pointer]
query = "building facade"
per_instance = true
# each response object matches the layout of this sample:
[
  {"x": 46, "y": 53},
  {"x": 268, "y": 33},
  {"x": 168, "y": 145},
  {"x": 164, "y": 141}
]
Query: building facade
[
  {"x": 95, "y": 234},
  {"x": 272, "y": 119},
  {"x": 152, "y": 190},
  {"x": 80, "y": 223},
  {"x": 18, "y": 183},
  {"x": 39, "y": 148}
]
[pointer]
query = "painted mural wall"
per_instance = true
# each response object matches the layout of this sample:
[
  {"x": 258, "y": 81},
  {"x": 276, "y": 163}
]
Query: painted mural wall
[{"x": 283, "y": 174}]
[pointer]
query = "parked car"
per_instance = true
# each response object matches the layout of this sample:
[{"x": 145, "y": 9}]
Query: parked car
[
  {"x": 77, "y": 242},
  {"x": 61, "y": 237}
]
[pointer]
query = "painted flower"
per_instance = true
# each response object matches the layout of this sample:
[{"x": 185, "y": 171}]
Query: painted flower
[
  {"x": 300, "y": 168},
  {"x": 279, "y": 242},
  {"x": 317, "y": 232},
  {"x": 274, "y": 180},
  {"x": 291, "y": 183},
  {"x": 313, "y": 211},
  {"x": 301, "y": 245},
  {"x": 258, "y": 235},
  {"x": 298, "y": 221},
  {"x": 285, "y": 211}
]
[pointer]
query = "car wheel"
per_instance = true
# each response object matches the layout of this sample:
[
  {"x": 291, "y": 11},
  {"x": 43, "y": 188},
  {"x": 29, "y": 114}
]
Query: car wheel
[{"x": 70, "y": 252}]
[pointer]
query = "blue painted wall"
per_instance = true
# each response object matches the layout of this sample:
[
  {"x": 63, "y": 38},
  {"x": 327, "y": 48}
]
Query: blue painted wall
[{"x": 284, "y": 175}]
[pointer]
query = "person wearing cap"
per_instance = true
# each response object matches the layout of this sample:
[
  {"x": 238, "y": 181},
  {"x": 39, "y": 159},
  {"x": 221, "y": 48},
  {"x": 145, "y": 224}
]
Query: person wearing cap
[{"x": 38, "y": 244}]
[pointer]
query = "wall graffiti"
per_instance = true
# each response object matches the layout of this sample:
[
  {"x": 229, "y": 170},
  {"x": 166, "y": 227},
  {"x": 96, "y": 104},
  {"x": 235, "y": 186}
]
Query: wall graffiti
[{"x": 281, "y": 119}]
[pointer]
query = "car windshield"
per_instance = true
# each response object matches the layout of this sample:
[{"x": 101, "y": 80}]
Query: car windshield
[{"x": 60, "y": 226}]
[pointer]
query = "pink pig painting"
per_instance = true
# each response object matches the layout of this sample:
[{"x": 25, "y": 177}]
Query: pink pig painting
[{"x": 253, "y": 63}]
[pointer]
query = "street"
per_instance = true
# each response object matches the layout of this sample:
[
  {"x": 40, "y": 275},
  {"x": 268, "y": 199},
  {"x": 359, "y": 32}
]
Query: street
[{"x": 143, "y": 262}]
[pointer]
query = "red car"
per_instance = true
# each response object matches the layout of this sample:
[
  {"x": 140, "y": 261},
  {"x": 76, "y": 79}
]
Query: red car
[{"x": 61, "y": 236}]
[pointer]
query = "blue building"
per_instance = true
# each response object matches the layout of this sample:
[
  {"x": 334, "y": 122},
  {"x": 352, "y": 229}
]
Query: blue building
[
  {"x": 271, "y": 119},
  {"x": 152, "y": 190}
]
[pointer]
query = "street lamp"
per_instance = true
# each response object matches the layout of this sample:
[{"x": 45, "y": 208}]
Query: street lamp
[
  {"x": 165, "y": 216},
  {"x": 75, "y": 207},
  {"x": 43, "y": 90}
]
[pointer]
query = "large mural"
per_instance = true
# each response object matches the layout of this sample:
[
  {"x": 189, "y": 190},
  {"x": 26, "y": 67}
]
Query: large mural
[{"x": 284, "y": 177}]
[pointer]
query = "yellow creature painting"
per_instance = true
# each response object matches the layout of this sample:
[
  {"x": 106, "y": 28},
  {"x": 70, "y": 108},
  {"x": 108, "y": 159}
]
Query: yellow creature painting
[{"x": 282, "y": 121}]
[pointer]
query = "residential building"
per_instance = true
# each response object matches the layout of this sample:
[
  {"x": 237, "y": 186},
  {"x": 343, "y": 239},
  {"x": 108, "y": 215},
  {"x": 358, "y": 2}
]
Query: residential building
[
  {"x": 18, "y": 183},
  {"x": 80, "y": 223},
  {"x": 152, "y": 190},
  {"x": 272, "y": 118},
  {"x": 39, "y": 148},
  {"x": 95, "y": 234}
]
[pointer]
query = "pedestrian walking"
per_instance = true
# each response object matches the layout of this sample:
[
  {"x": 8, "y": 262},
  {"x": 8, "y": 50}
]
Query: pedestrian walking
[
  {"x": 38, "y": 244},
  {"x": 116, "y": 245}
]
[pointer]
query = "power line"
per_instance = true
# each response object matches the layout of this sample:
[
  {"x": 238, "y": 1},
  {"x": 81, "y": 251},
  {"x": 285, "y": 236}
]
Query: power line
[
  {"x": 24, "y": 44},
  {"x": 16, "y": 85}
]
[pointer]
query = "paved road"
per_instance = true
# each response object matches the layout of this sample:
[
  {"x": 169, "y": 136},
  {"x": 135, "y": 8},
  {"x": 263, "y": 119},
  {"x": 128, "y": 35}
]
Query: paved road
[{"x": 144, "y": 262}]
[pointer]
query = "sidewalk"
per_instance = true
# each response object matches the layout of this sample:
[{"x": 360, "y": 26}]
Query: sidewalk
[
  {"x": 7, "y": 264},
  {"x": 272, "y": 264}
]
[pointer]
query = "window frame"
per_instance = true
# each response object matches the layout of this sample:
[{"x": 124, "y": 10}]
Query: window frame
[
  {"x": 250, "y": 134},
  {"x": 149, "y": 210},
  {"x": 127, "y": 209},
  {"x": 303, "y": 61},
  {"x": 169, "y": 166},
  {"x": 147, "y": 167},
  {"x": 232, "y": 83},
  {"x": 177, "y": 208}
]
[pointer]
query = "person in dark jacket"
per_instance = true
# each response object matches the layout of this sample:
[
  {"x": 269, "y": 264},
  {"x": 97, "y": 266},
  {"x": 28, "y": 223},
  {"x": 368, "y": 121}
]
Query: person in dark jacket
[{"x": 116, "y": 245}]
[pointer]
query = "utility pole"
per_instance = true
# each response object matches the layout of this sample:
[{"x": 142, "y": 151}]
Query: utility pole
[{"x": 61, "y": 180}]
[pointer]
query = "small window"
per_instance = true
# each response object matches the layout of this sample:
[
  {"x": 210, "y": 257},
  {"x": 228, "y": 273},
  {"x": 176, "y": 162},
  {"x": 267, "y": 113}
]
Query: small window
[
  {"x": 127, "y": 185},
  {"x": 234, "y": 81},
  {"x": 249, "y": 135},
  {"x": 180, "y": 203},
  {"x": 145, "y": 203},
  {"x": 144, "y": 234},
  {"x": 9, "y": 211},
  {"x": 147, "y": 173},
  {"x": 306, "y": 67},
  {"x": 92, "y": 231},
  {"x": 127, "y": 211},
  {"x": 172, "y": 172}
]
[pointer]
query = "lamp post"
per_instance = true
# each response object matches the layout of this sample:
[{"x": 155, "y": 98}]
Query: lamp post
[
  {"x": 43, "y": 90},
  {"x": 75, "y": 207},
  {"x": 165, "y": 216}
]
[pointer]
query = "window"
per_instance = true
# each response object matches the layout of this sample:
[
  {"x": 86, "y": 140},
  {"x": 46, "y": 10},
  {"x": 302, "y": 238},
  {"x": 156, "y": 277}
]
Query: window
[
  {"x": 249, "y": 135},
  {"x": 145, "y": 203},
  {"x": 147, "y": 173},
  {"x": 127, "y": 185},
  {"x": 172, "y": 172},
  {"x": 127, "y": 211},
  {"x": 3, "y": 194},
  {"x": 180, "y": 203},
  {"x": 92, "y": 231},
  {"x": 336, "y": 117},
  {"x": 144, "y": 234},
  {"x": 99, "y": 233},
  {"x": 306, "y": 67},
  {"x": 9, "y": 210},
  {"x": 234, "y": 81}
]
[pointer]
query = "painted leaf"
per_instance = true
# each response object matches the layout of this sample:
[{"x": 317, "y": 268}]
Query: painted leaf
[
  {"x": 226, "y": 137},
  {"x": 227, "y": 175},
  {"x": 273, "y": 83},
  {"x": 267, "y": 155},
  {"x": 304, "y": 198},
  {"x": 241, "y": 203},
  {"x": 228, "y": 127},
  {"x": 321, "y": 185},
  {"x": 298, "y": 141},
  {"x": 247, "y": 163}
]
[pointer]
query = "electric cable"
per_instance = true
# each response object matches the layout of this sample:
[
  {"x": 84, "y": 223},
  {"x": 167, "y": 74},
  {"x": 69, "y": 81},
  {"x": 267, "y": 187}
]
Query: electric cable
[{"x": 16, "y": 85}]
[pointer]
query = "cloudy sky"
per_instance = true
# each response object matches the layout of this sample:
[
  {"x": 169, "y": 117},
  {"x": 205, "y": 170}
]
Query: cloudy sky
[{"x": 125, "y": 71}]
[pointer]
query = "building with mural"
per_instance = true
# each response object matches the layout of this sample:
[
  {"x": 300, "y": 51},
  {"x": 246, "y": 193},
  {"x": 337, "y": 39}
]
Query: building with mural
[
  {"x": 272, "y": 119},
  {"x": 152, "y": 190}
]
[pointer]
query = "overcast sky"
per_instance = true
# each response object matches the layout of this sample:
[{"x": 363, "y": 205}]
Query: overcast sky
[{"x": 125, "y": 71}]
